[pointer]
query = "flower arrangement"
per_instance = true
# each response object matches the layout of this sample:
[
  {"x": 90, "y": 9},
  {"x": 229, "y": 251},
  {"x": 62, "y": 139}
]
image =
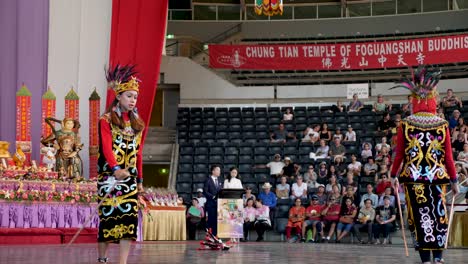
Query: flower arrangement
[
  {"x": 161, "y": 197},
  {"x": 48, "y": 196}
]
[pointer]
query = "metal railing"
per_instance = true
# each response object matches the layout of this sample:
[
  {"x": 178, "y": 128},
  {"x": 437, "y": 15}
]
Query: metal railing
[{"x": 364, "y": 8}]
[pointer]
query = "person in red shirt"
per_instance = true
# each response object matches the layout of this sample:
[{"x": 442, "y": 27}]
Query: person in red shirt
[
  {"x": 296, "y": 218},
  {"x": 331, "y": 215},
  {"x": 120, "y": 170},
  {"x": 383, "y": 183},
  {"x": 314, "y": 215},
  {"x": 428, "y": 171}
]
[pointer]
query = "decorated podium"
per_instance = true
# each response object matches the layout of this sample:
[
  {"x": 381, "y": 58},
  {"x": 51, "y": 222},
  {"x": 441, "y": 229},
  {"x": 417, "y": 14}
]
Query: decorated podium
[{"x": 230, "y": 213}]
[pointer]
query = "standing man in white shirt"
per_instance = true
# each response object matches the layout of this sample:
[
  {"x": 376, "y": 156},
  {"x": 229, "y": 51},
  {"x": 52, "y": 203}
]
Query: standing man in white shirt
[{"x": 275, "y": 166}]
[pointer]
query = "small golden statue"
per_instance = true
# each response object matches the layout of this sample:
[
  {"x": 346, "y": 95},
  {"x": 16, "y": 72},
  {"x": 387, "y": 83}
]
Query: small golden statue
[
  {"x": 4, "y": 145},
  {"x": 19, "y": 158},
  {"x": 68, "y": 145}
]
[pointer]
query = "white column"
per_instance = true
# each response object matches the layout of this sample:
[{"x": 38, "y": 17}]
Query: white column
[{"x": 79, "y": 38}]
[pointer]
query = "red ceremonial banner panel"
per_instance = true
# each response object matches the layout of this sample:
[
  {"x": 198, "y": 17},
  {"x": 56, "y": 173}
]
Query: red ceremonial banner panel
[{"x": 341, "y": 56}]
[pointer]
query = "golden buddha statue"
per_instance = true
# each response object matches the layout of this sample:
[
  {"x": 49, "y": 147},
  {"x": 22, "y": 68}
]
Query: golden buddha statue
[{"x": 68, "y": 145}]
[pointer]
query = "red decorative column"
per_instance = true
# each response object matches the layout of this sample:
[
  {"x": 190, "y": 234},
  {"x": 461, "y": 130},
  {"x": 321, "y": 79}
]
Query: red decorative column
[
  {"x": 72, "y": 105},
  {"x": 94, "y": 113},
  {"x": 48, "y": 110},
  {"x": 23, "y": 121}
]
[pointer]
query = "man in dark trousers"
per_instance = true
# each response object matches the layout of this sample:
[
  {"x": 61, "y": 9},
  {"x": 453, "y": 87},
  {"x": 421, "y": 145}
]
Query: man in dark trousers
[{"x": 210, "y": 190}]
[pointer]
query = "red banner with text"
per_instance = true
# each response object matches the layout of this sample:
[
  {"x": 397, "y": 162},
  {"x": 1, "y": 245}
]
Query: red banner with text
[{"x": 341, "y": 56}]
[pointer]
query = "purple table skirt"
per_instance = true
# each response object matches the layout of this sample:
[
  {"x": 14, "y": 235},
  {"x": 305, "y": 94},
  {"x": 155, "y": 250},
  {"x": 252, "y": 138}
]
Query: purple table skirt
[{"x": 50, "y": 215}]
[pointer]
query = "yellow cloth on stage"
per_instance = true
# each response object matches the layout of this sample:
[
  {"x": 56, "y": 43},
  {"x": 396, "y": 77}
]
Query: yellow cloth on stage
[
  {"x": 459, "y": 230},
  {"x": 165, "y": 225}
]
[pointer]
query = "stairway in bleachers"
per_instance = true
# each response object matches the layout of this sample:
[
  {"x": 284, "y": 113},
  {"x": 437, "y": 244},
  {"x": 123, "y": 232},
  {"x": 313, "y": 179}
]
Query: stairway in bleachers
[{"x": 158, "y": 144}]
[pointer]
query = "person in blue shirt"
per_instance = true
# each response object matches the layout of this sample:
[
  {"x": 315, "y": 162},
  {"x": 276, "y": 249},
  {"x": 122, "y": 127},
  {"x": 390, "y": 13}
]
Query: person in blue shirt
[
  {"x": 269, "y": 199},
  {"x": 453, "y": 120}
]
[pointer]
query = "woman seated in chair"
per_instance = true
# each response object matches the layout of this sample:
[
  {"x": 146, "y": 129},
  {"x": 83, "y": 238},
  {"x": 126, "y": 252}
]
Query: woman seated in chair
[
  {"x": 262, "y": 219},
  {"x": 296, "y": 219},
  {"x": 346, "y": 221}
]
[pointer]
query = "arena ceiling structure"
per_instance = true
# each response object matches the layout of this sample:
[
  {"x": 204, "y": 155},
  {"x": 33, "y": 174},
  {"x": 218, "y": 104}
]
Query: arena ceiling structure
[{"x": 314, "y": 22}]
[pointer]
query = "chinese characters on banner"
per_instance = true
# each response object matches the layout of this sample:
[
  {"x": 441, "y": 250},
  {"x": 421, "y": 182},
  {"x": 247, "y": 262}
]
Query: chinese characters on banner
[{"x": 341, "y": 56}]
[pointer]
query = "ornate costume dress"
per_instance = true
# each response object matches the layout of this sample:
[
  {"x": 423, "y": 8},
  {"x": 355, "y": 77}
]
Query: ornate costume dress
[
  {"x": 424, "y": 148},
  {"x": 118, "y": 214},
  {"x": 423, "y": 145}
]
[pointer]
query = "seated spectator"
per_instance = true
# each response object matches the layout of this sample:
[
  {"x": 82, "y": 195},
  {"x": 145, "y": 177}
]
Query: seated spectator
[
  {"x": 450, "y": 100},
  {"x": 355, "y": 105},
  {"x": 440, "y": 112},
  {"x": 408, "y": 107},
  {"x": 325, "y": 134},
  {"x": 335, "y": 193},
  {"x": 194, "y": 216},
  {"x": 387, "y": 193},
  {"x": 290, "y": 169},
  {"x": 369, "y": 195},
  {"x": 313, "y": 215},
  {"x": 365, "y": 218},
  {"x": 384, "y": 126},
  {"x": 249, "y": 218},
  {"x": 384, "y": 217},
  {"x": 350, "y": 135},
  {"x": 338, "y": 134},
  {"x": 322, "y": 173},
  {"x": 366, "y": 151},
  {"x": 322, "y": 196},
  {"x": 262, "y": 219},
  {"x": 461, "y": 128},
  {"x": 459, "y": 144},
  {"x": 383, "y": 184},
  {"x": 299, "y": 189},
  {"x": 341, "y": 167},
  {"x": 461, "y": 176},
  {"x": 453, "y": 120},
  {"x": 282, "y": 189},
  {"x": 296, "y": 219},
  {"x": 463, "y": 155},
  {"x": 383, "y": 157},
  {"x": 346, "y": 220},
  {"x": 332, "y": 172},
  {"x": 380, "y": 105},
  {"x": 355, "y": 166},
  {"x": 275, "y": 166},
  {"x": 338, "y": 108},
  {"x": 248, "y": 195},
  {"x": 321, "y": 152},
  {"x": 370, "y": 168},
  {"x": 311, "y": 134},
  {"x": 268, "y": 198},
  {"x": 332, "y": 181},
  {"x": 281, "y": 135},
  {"x": 382, "y": 144},
  {"x": 331, "y": 215},
  {"x": 349, "y": 182},
  {"x": 201, "y": 198},
  {"x": 351, "y": 193},
  {"x": 232, "y": 182},
  {"x": 288, "y": 116},
  {"x": 337, "y": 149},
  {"x": 310, "y": 178}
]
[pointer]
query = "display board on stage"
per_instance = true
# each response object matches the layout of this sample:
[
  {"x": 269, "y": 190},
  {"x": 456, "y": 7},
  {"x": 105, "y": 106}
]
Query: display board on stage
[{"x": 230, "y": 218}]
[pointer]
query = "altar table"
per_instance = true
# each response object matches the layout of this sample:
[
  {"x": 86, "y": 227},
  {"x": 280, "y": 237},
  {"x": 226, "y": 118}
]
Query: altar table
[{"x": 165, "y": 223}]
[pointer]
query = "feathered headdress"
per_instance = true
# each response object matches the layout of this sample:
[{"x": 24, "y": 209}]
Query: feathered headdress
[
  {"x": 422, "y": 83},
  {"x": 121, "y": 78}
]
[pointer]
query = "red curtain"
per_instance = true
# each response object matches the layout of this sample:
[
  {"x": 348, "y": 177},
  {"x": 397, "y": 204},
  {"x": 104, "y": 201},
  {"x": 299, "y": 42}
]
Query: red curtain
[{"x": 137, "y": 37}]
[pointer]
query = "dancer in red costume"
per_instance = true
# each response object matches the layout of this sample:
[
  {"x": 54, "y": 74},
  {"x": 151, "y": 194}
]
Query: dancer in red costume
[
  {"x": 423, "y": 146},
  {"x": 120, "y": 164}
]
